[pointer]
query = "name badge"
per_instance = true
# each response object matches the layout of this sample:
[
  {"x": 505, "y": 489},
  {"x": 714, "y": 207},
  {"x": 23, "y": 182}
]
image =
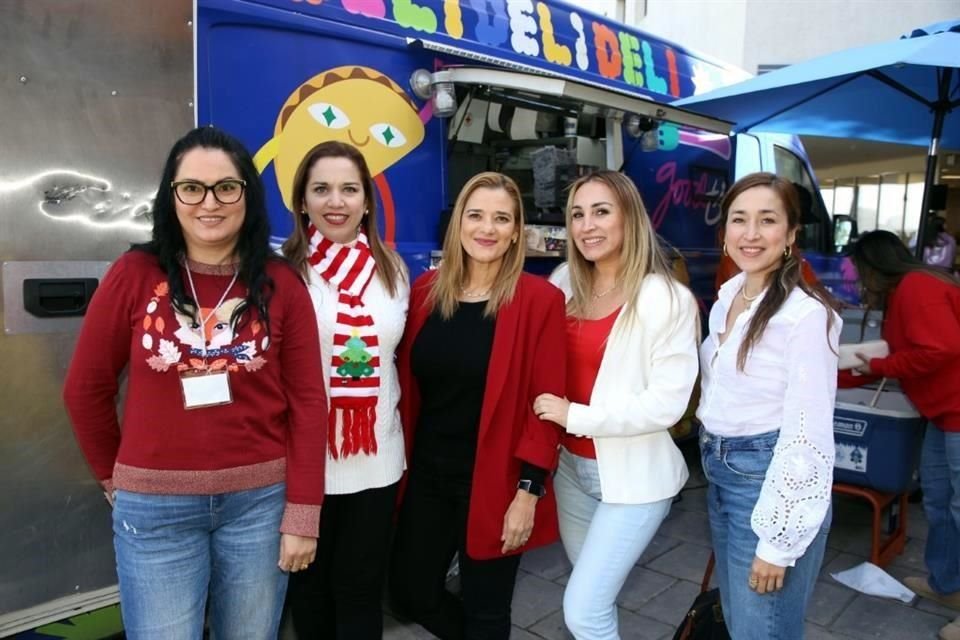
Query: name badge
[{"x": 205, "y": 388}]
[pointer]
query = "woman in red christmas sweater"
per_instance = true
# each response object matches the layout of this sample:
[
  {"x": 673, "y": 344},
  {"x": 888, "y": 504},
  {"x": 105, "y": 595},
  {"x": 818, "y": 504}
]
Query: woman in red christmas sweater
[
  {"x": 216, "y": 477},
  {"x": 922, "y": 327}
]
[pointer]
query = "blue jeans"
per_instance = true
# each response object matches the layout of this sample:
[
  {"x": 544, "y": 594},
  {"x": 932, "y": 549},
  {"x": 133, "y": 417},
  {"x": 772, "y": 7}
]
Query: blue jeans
[
  {"x": 735, "y": 469},
  {"x": 940, "y": 479},
  {"x": 603, "y": 542},
  {"x": 172, "y": 551}
]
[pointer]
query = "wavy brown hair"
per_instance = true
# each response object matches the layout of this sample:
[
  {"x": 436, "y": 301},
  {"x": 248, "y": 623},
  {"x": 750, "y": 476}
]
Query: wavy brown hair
[
  {"x": 640, "y": 255},
  {"x": 452, "y": 272},
  {"x": 297, "y": 246},
  {"x": 787, "y": 276},
  {"x": 882, "y": 261}
]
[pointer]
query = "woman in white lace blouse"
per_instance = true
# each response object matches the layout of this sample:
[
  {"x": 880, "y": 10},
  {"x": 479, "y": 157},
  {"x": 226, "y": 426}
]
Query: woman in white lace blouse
[{"x": 769, "y": 383}]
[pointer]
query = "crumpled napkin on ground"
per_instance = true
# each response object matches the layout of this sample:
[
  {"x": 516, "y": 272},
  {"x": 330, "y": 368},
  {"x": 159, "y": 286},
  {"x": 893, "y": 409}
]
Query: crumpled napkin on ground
[{"x": 870, "y": 579}]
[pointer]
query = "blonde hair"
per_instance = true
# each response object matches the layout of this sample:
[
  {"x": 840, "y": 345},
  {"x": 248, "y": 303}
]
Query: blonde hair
[
  {"x": 452, "y": 272},
  {"x": 297, "y": 247},
  {"x": 640, "y": 254}
]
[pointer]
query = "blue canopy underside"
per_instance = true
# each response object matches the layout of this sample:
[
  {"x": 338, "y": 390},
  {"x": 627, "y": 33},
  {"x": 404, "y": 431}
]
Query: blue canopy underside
[{"x": 840, "y": 95}]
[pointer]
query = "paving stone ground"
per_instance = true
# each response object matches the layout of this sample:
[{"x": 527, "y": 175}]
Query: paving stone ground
[{"x": 666, "y": 579}]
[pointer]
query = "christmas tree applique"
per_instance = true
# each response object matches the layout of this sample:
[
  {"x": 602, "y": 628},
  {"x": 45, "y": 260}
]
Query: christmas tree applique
[{"x": 356, "y": 359}]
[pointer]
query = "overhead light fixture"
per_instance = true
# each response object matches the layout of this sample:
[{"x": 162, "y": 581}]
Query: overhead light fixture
[
  {"x": 444, "y": 94},
  {"x": 636, "y": 125},
  {"x": 437, "y": 87},
  {"x": 421, "y": 83},
  {"x": 650, "y": 140}
]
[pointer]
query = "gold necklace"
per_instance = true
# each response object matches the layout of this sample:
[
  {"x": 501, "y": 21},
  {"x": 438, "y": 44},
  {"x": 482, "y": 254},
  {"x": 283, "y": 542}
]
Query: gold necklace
[
  {"x": 597, "y": 296},
  {"x": 480, "y": 294}
]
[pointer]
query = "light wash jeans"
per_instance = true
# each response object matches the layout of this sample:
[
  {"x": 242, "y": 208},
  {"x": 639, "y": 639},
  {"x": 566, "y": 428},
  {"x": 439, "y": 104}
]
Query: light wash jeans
[
  {"x": 603, "y": 542},
  {"x": 735, "y": 469},
  {"x": 174, "y": 550},
  {"x": 940, "y": 479}
]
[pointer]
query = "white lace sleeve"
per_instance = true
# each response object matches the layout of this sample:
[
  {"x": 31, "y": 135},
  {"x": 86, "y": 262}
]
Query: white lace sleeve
[{"x": 796, "y": 490}]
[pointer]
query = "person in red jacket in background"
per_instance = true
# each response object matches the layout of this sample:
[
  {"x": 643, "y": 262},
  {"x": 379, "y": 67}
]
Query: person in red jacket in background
[{"x": 922, "y": 328}]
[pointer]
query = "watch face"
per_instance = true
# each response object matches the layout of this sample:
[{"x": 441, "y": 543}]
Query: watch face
[{"x": 530, "y": 487}]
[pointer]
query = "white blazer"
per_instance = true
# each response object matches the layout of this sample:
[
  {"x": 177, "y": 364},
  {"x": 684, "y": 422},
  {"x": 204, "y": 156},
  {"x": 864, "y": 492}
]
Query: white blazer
[{"x": 642, "y": 389}]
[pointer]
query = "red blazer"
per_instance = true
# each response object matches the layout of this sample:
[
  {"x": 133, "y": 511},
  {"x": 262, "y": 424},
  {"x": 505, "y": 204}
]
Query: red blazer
[{"x": 528, "y": 358}]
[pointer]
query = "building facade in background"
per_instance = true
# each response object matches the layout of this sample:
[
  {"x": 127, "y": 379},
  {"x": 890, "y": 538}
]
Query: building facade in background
[{"x": 879, "y": 185}]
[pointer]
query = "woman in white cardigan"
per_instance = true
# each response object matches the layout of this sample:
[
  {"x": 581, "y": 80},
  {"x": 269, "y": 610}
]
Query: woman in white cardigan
[
  {"x": 360, "y": 294},
  {"x": 632, "y": 363}
]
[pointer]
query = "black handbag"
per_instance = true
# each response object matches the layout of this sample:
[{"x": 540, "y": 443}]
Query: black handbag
[{"x": 704, "y": 620}]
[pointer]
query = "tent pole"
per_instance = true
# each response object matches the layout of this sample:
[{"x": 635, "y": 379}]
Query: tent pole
[{"x": 931, "y": 173}]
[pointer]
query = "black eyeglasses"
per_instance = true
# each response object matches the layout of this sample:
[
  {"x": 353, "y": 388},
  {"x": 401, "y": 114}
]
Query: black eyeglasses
[{"x": 191, "y": 192}]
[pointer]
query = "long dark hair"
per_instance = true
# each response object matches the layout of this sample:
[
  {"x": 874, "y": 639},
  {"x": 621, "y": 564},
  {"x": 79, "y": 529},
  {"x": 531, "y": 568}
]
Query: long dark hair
[
  {"x": 297, "y": 246},
  {"x": 787, "y": 276},
  {"x": 253, "y": 243},
  {"x": 882, "y": 260}
]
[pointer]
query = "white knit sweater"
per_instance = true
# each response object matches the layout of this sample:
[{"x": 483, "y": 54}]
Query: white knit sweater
[{"x": 359, "y": 472}]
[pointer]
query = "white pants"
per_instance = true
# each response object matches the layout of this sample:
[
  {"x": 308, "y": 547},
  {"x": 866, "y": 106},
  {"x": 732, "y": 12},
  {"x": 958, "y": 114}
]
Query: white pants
[{"x": 603, "y": 542}]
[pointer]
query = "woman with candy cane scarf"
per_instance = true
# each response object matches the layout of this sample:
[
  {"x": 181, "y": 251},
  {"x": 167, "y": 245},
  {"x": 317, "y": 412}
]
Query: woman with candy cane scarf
[{"x": 360, "y": 292}]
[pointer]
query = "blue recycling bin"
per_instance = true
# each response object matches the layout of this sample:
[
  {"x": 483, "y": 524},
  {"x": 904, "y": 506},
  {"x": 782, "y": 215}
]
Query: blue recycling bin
[{"x": 879, "y": 446}]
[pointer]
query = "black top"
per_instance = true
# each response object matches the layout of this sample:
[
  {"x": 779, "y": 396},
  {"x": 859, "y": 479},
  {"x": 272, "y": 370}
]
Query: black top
[{"x": 449, "y": 360}]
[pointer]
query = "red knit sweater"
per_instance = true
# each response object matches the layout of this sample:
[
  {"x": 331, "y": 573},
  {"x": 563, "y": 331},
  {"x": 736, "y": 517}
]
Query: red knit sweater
[
  {"x": 922, "y": 327},
  {"x": 273, "y": 431}
]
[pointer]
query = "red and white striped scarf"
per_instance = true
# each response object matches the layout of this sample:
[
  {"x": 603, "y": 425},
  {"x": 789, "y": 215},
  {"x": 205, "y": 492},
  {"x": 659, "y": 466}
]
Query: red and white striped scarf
[{"x": 355, "y": 369}]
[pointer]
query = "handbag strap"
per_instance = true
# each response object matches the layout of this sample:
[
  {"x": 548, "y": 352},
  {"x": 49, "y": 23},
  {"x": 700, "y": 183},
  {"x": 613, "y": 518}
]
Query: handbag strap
[
  {"x": 687, "y": 629},
  {"x": 708, "y": 573}
]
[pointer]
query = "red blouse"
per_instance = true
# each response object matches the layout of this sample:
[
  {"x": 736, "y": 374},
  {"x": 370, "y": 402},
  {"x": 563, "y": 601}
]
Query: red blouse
[{"x": 586, "y": 342}]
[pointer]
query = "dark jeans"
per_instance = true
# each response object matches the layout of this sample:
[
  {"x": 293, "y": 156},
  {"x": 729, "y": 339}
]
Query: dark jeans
[
  {"x": 339, "y": 595},
  {"x": 432, "y": 527},
  {"x": 940, "y": 479}
]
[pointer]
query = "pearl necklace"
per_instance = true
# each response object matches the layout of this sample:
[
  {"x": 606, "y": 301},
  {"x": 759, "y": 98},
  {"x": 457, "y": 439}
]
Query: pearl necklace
[{"x": 749, "y": 299}]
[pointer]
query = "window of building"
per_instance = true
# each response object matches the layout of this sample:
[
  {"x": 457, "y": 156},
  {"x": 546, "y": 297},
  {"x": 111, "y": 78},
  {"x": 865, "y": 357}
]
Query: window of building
[
  {"x": 891, "y": 201},
  {"x": 893, "y": 192},
  {"x": 911, "y": 216},
  {"x": 767, "y": 68},
  {"x": 867, "y": 199}
]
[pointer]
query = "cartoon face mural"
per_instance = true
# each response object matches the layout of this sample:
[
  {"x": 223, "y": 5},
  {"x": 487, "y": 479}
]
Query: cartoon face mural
[{"x": 357, "y": 105}]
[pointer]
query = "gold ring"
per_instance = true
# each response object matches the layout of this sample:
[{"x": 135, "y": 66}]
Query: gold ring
[{"x": 754, "y": 582}]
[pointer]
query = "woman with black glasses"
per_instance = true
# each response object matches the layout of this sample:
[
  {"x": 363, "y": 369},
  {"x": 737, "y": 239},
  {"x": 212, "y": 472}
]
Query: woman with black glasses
[{"x": 217, "y": 475}]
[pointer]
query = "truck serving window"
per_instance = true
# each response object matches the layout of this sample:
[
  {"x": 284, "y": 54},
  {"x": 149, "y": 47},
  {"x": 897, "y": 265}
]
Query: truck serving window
[{"x": 543, "y": 131}]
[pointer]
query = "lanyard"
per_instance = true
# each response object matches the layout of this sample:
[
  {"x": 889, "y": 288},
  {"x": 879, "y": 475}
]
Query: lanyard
[{"x": 203, "y": 321}]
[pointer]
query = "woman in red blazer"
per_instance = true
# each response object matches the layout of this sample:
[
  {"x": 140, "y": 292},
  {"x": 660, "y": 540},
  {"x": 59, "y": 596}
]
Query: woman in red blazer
[{"x": 483, "y": 339}]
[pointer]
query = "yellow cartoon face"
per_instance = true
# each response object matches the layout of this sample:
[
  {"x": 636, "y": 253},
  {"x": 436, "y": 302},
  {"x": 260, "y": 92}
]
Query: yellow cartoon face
[{"x": 356, "y": 105}]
